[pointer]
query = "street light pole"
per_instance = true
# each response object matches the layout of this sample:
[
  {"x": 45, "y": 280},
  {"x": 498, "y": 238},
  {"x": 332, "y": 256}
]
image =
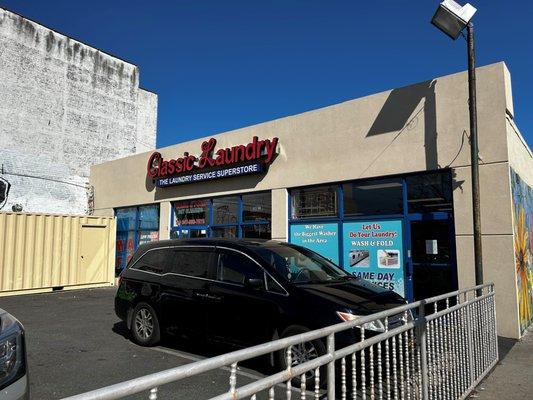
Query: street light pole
[
  {"x": 472, "y": 105},
  {"x": 452, "y": 18}
]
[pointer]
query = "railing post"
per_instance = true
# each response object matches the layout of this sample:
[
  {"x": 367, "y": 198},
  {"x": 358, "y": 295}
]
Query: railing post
[
  {"x": 470, "y": 341},
  {"x": 494, "y": 322},
  {"x": 423, "y": 351},
  {"x": 331, "y": 367},
  {"x": 233, "y": 378}
]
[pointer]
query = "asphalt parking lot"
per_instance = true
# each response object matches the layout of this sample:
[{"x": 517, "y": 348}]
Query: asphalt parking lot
[{"x": 76, "y": 343}]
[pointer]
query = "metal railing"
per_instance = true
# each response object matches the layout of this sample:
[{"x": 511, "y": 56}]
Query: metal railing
[{"x": 437, "y": 348}]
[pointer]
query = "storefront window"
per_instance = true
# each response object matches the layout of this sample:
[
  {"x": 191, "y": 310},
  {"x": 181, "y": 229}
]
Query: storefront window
[
  {"x": 148, "y": 236},
  {"x": 257, "y": 231},
  {"x": 148, "y": 224},
  {"x": 194, "y": 212},
  {"x": 126, "y": 218},
  {"x": 257, "y": 207},
  {"x": 126, "y": 232},
  {"x": 248, "y": 215},
  {"x": 226, "y": 210},
  {"x": 135, "y": 226},
  {"x": 429, "y": 192},
  {"x": 224, "y": 232},
  {"x": 364, "y": 231},
  {"x": 314, "y": 202},
  {"x": 149, "y": 217},
  {"x": 377, "y": 197},
  {"x": 125, "y": 248}
]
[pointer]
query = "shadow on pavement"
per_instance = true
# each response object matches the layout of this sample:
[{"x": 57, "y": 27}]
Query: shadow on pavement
[
  {"x": 504, "y": 346},
  {"x": 202, "y": 349}
]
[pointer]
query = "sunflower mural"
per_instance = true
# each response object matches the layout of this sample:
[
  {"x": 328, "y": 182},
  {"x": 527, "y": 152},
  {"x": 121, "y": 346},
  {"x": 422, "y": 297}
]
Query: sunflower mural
[{"x": 523, "y": 247}]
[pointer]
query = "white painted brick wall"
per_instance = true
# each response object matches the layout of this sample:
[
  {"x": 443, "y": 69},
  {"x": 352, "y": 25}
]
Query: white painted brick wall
[
  {"x": 146, "y": 121},
  {"x": 64, "y": 106}
]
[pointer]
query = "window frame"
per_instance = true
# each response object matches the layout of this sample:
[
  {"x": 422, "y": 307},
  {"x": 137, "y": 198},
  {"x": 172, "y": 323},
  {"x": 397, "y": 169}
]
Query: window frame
[
  {"x": 137, "y": 229},
  {"x": 221, "y": 251},
  {"x": 446, "y": 182},
  {"x": 210, "y": 268},
  {"x": 211, "y": 262},
  {"x": 140, "y": 259},
  {"x": 207, "y": 211},
  {"x": 341, "y": 217},
  {"x": 265, "y": 273},
  {"x": 254, "y": 222},
  {"x": 339, "y": 211},
  {"x": 240, "y": 224},
  {"x": 361, "y": 183},
  {"x": 406, "y": 217}
]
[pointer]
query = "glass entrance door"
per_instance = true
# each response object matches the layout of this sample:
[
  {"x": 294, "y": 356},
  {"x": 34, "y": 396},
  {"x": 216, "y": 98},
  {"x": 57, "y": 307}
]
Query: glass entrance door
[{"x": 434, "y": 269}]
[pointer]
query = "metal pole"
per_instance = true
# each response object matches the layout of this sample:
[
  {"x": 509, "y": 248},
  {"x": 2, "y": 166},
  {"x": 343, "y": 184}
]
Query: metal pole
[
  {"x": 474, "y": 155},
  {"x": 470, "y": 344},
  {"x": 423, "y": 351},
  {"x": 331, "y": 367}
]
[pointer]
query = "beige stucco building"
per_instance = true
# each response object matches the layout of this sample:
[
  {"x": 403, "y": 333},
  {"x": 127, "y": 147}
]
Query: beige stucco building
[{"x": 376, "y": 183}]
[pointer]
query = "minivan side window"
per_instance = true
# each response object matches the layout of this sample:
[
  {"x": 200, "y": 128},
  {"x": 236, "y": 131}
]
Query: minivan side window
[
  {"x": 155, "y": 261},
  {"x": 193, "y": 263},
  {"x": 235, "y": 267}
]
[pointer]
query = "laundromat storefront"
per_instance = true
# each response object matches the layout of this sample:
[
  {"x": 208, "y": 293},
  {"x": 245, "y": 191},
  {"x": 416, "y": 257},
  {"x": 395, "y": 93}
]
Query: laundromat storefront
[
  {"x": 380, "y": 185},
  {"x": 396, "y": 232}
]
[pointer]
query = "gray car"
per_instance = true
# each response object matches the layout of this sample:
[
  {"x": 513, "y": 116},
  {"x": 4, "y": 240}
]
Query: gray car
[{"x": 13, "y": 366}]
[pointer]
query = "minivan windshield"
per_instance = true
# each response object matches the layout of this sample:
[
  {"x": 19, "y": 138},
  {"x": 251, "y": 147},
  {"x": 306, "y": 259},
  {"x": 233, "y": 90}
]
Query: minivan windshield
[{"x": 299, "y": 265}]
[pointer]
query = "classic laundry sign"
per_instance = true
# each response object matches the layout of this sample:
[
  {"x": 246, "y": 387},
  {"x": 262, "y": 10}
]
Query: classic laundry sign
[
  {"x": 225, "y": 162},
  {"x": 207, "y": 176},
  {"x": 374, "y": 251}
]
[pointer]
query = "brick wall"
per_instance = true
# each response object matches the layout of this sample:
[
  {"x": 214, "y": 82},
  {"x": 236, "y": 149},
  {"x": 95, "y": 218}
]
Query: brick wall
[{"x": 64, "y": 106}]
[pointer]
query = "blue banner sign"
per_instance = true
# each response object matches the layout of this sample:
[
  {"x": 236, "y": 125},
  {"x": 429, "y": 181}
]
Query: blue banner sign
[
  {"x": 210, "y": 175},
  {"x": 374, "y": 251},
  {"x": 321, "y": 238}
]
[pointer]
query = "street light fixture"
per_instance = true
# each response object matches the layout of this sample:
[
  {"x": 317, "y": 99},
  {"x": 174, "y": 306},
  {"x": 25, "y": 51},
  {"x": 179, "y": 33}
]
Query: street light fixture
[{"x": 451, "y": 18}]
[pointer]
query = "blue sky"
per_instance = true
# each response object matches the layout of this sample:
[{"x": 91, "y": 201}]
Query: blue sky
[{"x": 219, "y": 65}]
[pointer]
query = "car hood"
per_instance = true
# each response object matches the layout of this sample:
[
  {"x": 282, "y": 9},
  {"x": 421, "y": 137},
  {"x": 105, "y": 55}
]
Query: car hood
[{"x": 357, "y": 295}]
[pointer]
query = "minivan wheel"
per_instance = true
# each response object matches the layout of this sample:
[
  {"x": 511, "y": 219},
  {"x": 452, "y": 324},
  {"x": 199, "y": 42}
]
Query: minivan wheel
[
  {"x": 145, "y": 325},
  {"x": 301, "y": 353}
]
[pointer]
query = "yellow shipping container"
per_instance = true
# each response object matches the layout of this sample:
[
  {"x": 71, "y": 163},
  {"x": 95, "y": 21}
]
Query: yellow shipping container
[{"x": 44, "y": 252}]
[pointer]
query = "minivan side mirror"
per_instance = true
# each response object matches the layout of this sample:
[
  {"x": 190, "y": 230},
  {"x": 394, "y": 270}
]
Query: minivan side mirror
[{"x": 254, "y": 283}]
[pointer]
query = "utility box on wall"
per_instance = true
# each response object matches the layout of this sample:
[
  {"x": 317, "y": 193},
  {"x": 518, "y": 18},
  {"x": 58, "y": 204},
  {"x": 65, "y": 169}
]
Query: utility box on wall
[{"x": 44, "y": 252}]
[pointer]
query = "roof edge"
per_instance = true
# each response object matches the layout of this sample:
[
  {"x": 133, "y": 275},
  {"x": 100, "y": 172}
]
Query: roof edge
[
  {"x": 216, "y": 134},
  {"x": 107, "y": 53}
]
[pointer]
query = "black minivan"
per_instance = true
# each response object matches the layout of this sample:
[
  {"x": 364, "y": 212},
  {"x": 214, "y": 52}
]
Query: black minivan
[{"x": 242, "y": 292}]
